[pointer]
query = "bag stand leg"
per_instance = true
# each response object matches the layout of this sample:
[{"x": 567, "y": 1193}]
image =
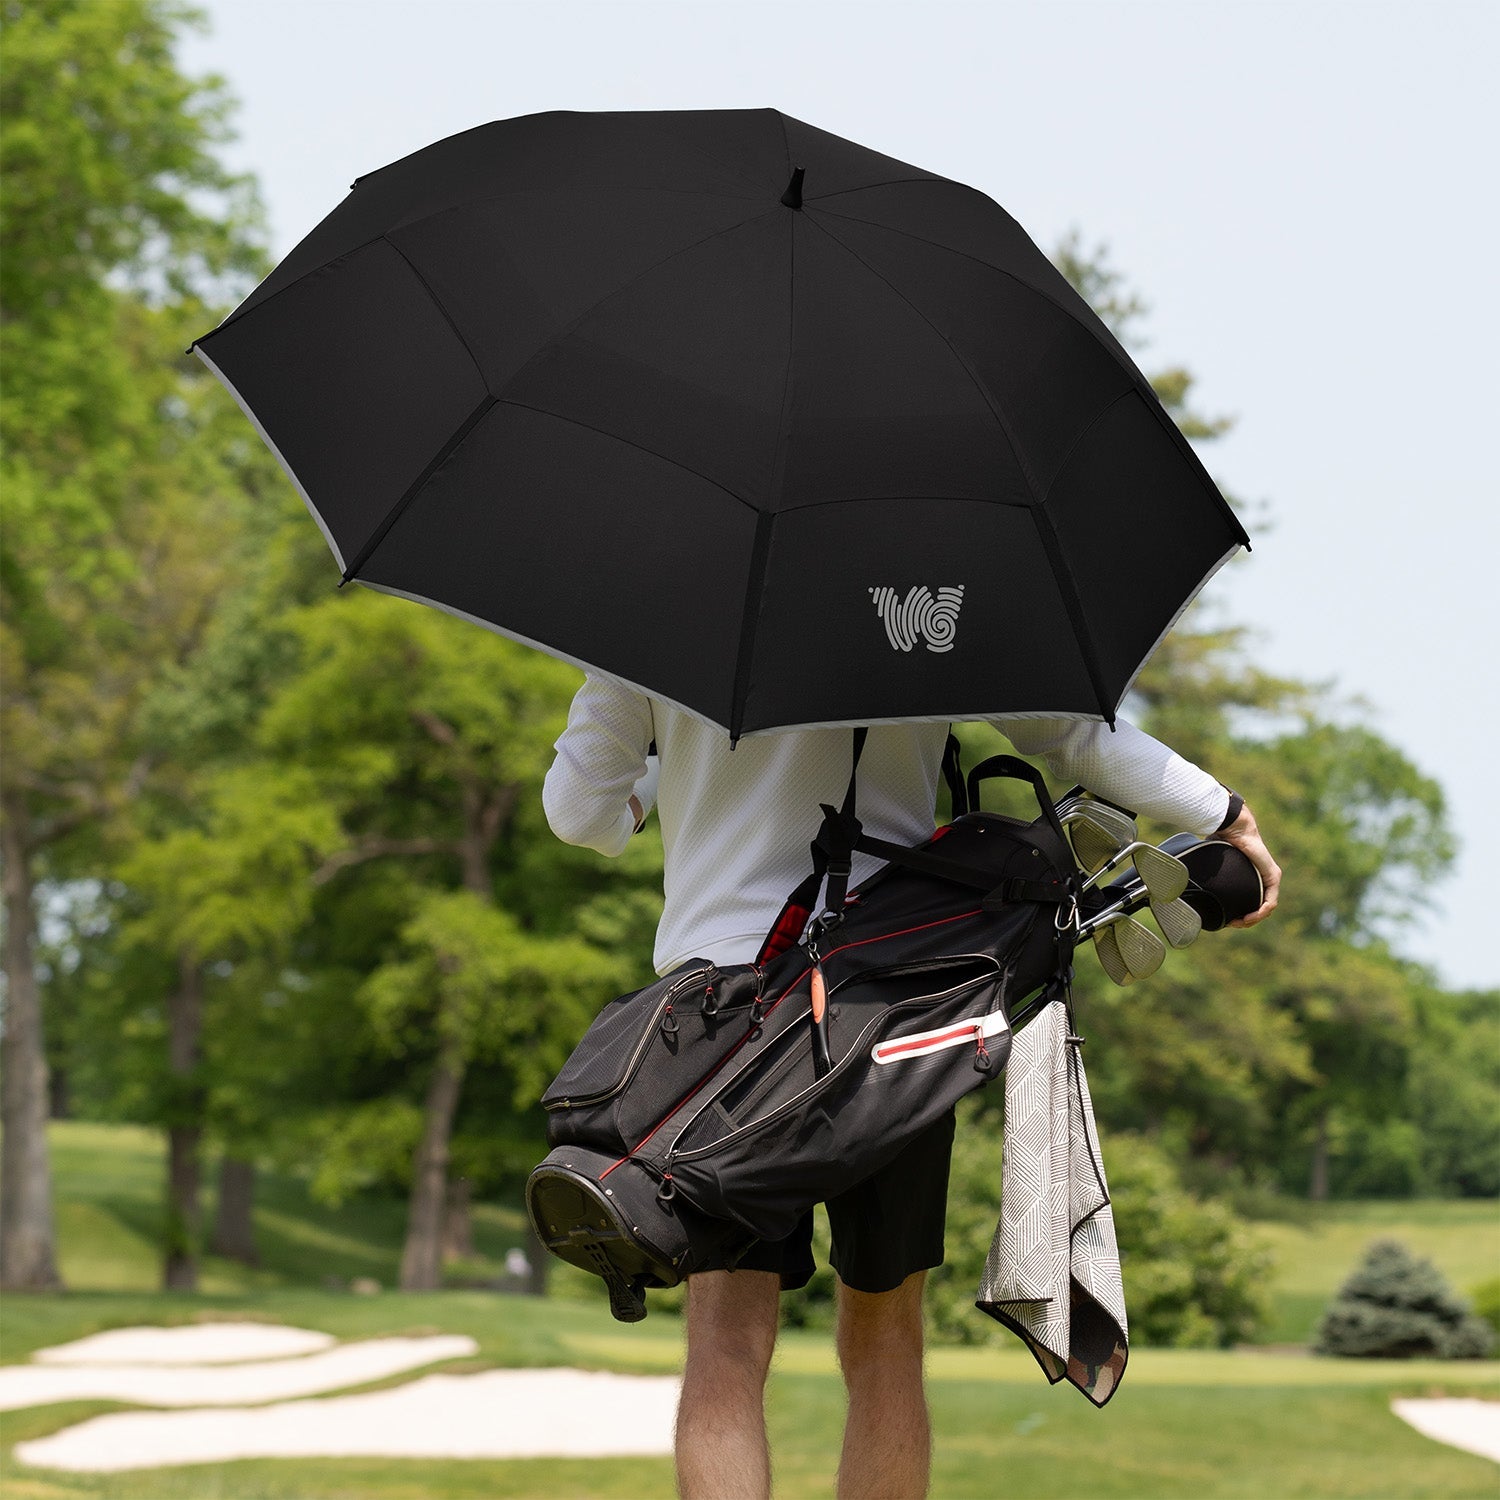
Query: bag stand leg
[{"x": 577, "y": 1222}]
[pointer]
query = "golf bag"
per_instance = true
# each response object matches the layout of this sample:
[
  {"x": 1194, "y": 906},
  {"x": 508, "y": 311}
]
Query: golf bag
[{"x": 715, "y": 1106}]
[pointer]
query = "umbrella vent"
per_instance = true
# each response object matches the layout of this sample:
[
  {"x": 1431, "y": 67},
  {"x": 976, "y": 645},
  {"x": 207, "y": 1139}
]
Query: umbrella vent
[{"x": 793, "y": 195}]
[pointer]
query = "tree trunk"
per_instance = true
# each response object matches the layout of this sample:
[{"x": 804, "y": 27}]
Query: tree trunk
[
  {"x": 422, "y": 1256},
  {"x": 28, "y": 1260},
  {"x": 540, "y": 1260},
  {"x": 1317, "y": 1188},
  {"x": 234, "y": 1228},
  {"x": 59, "y": 1100},
  {"x": 184, "y": 1128},
  {"x": 458, "y": 1226}
]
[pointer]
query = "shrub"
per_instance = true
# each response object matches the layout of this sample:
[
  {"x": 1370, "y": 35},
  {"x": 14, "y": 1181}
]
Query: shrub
[
  {"x": 1486, "y": 1299},
  {"x": 1397, "y": 1306},
  {"x": 1193, "y": 1275}
]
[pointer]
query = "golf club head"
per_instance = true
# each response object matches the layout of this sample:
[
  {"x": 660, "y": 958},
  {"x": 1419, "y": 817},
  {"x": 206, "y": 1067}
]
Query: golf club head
[
  {"x": 1120, "y": 824},
  {"x": 1127, "y": 951},
  {"x": 1164, "y": 875},
  {"x": 1111, "y": 960},
  {"x": 1094, "y": 843},
  {"x": 1141, "y": 949},
  {"x": 1180, "y": 924},
  {"x": 1223, "y": 884}
]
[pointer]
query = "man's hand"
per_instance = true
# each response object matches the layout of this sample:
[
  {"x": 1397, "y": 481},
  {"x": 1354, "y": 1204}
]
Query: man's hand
[{"x": 1245, "y": 837}]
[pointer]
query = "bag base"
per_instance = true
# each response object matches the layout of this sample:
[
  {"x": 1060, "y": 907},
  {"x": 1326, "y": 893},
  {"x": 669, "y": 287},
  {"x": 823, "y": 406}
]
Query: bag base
[{"x": 576, "y": 1220}]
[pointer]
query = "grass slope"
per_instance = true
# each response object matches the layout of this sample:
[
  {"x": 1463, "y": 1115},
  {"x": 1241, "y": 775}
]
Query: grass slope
[{"x": 1318, "y": 1249}]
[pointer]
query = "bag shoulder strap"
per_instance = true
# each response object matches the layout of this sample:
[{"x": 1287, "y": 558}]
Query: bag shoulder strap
[{"x": 786, "y": 930}]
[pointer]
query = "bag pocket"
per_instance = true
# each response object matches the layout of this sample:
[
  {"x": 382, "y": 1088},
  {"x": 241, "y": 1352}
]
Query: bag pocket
[
  {"x": 611, "y": 1050},
  {"x": 863, "y": 1011},
  {"x": 807, "y": 1144},
  {"x": 643, "y": 1052}
]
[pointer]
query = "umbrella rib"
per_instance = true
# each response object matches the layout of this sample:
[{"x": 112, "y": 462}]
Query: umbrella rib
[
  {"x": 567, "y": 329},
  {"x": 417, "y": 485},
  {"x": 979, "y": 260},
  {"x": 756, "y": 578},
  {"x": 244, "y": 312},
  {"x": 1121, "y": 358},
  {"x": 865, "y": 186},
  {"x": 1061, "y": 572},
  {"x": 630, "y": 443}
]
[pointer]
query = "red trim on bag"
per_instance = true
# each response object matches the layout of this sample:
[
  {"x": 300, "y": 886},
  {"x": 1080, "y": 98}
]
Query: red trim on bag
[
  {"x": 895, "y": 1049},
  {"x": 878, "y": 937},
  {"x": 785, "y": 934}
]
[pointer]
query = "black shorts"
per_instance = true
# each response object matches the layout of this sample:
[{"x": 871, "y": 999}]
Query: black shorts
[{"x": 883, "y": 1229}]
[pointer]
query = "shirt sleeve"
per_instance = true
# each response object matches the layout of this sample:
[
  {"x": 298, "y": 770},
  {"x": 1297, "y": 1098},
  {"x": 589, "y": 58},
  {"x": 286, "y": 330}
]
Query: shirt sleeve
[
  {"x": 601, "y": 759},
  {"x": 1126, "y": 766}
]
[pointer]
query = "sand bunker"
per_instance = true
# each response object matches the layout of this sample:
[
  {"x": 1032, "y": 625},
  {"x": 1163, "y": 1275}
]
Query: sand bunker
[
  {"x": 1462, "y": 1423},
  {"x": 43, "y": 1382},
  {"x": 189, "y": 1344},
  {"x": 496, "y": 1414}
]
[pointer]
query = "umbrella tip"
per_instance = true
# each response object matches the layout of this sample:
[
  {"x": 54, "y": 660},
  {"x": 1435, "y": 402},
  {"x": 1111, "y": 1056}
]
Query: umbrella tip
[{"x": 793, "y": 195}]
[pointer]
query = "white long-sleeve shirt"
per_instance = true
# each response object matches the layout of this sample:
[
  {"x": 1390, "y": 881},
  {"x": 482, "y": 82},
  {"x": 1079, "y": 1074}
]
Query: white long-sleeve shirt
[{"x": 736, "y": 824}]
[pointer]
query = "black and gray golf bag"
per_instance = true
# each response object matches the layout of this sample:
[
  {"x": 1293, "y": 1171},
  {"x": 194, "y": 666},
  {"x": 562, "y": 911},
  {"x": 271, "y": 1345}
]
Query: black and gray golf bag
[{"x": 715, "y": 1106}]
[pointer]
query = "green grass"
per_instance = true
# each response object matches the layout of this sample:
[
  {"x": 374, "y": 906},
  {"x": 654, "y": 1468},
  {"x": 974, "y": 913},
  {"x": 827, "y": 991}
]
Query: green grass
[
  {"x": 109, "y": 1180},
  {"x": 1270, "y": 1425},
  {"x": 109, "y": 1212},
  {"x": 1185, "y": 1423},
  {"x": 1316, "y": 1250}
]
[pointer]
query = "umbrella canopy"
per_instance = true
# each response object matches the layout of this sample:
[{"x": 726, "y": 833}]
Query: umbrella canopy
[{"x": 778, "y": 428}]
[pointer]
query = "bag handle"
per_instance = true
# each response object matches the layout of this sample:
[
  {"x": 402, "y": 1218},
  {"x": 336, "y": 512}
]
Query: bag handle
[{"x": 1020, "y": 770}]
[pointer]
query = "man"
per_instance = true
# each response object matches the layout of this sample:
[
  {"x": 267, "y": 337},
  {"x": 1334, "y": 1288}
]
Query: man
[{"x": 735, "y": 828}]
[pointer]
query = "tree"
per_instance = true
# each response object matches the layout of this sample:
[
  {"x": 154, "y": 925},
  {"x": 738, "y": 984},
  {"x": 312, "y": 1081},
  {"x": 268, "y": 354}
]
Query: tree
[
  {"x": 1395, "y": 1306},
  {"x": 1246, "y": 1049},
  {"x": 429, "y": 739},
  {"x": 120, "y": 231},
  {"x": 233, "y": 889}
]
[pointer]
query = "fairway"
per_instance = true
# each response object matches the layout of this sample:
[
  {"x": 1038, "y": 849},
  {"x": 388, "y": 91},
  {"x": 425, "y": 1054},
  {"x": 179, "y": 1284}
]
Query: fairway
[
  {"x": 1316, "y": 1252},
  {"x": 1185, "y": 1422}
]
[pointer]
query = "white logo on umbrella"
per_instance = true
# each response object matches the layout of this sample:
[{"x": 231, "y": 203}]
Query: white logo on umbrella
[{"x": 919, "y": 614}]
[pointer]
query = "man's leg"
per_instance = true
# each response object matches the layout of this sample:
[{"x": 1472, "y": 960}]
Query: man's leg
[
  {"x": 887, "y": 1234},
  {"x": 888, "y": 1437},
  {"x": 721, "y": 1417}
]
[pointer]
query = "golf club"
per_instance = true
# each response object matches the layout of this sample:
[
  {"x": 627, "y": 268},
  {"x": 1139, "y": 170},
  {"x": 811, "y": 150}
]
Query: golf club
[
  {"x": 1115, "y": 821},
  {"x": 1162, "y": 873},
  {"x": 1127, "y": 951},
  {"x": 1179, "y": 921},
  {"x": 1094, "y": 842}
]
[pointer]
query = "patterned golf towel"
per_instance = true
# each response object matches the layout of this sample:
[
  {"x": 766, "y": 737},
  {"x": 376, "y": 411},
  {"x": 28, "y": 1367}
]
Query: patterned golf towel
[{"x": 1053, "y": 1272}]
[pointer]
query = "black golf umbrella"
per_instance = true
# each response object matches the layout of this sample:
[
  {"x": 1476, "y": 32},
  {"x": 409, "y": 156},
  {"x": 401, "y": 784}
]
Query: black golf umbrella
[{"x": 773, "y": 426}]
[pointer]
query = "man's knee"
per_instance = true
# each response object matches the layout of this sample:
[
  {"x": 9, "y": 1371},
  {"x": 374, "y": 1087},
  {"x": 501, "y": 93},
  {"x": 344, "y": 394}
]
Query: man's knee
[
  {"x": 880, "y": 1331},
  {"x": 731, "y": 1321}
]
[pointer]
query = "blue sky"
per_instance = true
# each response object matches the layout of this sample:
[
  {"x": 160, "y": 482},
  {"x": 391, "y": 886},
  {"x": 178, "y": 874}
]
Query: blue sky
[{"x": 1298, "y": 191}]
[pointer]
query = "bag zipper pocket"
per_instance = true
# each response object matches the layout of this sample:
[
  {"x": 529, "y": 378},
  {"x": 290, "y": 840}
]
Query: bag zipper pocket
[
  {"x": 856, "y": 1051},
  {"x": 663, "y": 1009}
]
